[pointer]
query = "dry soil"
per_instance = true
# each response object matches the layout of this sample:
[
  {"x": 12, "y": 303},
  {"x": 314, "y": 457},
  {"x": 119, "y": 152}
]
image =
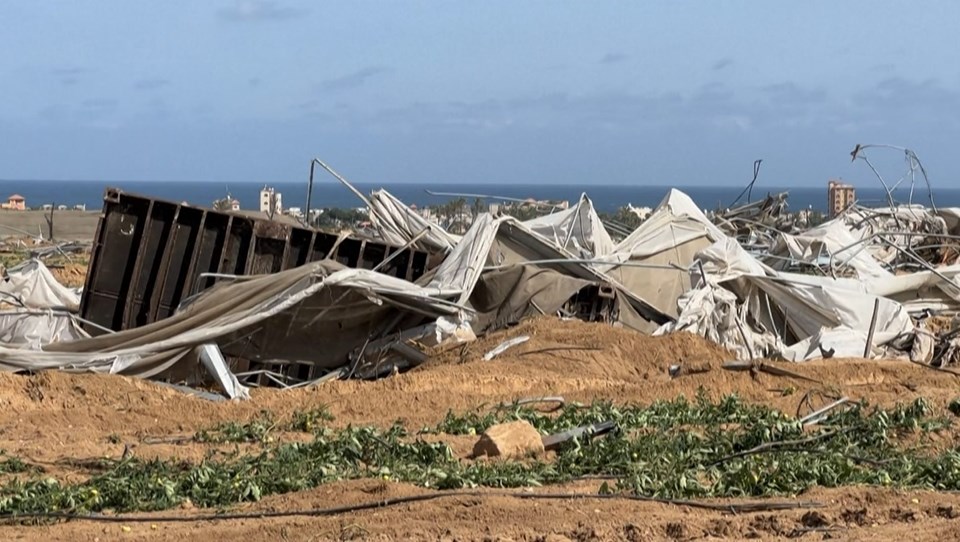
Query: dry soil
[{"x": 58, "y": 420}]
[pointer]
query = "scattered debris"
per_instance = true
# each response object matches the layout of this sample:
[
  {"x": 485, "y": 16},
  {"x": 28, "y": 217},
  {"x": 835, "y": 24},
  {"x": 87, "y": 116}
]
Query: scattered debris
[
  {"x": 554, "y": 441},
  {"x": 167, "y": 279},
  {"x": 504, "y": 346}
]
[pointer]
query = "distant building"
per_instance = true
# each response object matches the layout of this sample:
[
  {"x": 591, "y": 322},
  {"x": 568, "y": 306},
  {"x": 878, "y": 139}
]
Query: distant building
[
  {"x": 61, "y": 207},
  {"x": 839, "y": 197},
  {"x": 295, "y": 212},
  {"x": 228, "y": 203},
  {"x": 47, "y": 206},
  {"x": 270, "y": 200},
  {"x": 15, "y": 203},
  {"x": 80, "y": 207}
]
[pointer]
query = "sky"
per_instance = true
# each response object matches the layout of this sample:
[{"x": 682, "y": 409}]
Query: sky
[{"x": 606, "y": 92}]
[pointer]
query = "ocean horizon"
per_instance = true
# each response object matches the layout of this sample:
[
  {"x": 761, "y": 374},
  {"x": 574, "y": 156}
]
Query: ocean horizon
[{"x": 606, "y": 197}]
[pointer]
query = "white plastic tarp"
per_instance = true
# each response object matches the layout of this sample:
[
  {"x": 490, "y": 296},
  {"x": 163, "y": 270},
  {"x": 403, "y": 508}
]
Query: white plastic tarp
[
  {"x": 33, "y": 328},
  {"x": 714, "y": 312},
  {"x": 675, "y": 221},
  {"x": 319, "y": 303},
  {"x": 832, "y": 238},
  {"x": 578, "y": 230},
  {"x": 505, "y": 241},
  {"x": 840, "y": 342},
  {"x": 785, "y": 308},
  {"x": 920, "y": 291},
  {"x": 661, "y": 249},
  {"x": 398, "y": 224},
  {"x": 35, "y": 286},
  {"x": 810, "y": 307}
]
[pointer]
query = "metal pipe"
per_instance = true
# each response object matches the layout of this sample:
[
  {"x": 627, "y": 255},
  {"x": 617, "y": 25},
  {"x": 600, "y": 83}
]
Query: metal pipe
[
  {"x": 397, "y": 252},
  {"x": 882, "y": 233},
  {"x": 873, "y": 326},
  {"x": 576, "y": 221},
  {"x": 817, "y": 415},
  {"x": 342, "y": 180},
  {"x": 306, "y": 214},
  {"x": 94, "y": 324},
  {"x": 673, "y": 267}
]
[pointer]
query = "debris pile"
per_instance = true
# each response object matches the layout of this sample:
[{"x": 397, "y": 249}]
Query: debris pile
[{"x": 184, "y": 293}]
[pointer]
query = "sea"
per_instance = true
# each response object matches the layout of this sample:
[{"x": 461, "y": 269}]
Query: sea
[{"x": 606, "y": 198}]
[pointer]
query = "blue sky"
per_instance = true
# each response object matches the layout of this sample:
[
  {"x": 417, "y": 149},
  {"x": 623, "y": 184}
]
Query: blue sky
[{"x": 657, "y": 92}]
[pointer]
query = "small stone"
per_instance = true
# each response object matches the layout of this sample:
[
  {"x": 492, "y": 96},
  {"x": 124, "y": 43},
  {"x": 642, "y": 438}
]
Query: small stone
[{"x": 509, "y": 440}]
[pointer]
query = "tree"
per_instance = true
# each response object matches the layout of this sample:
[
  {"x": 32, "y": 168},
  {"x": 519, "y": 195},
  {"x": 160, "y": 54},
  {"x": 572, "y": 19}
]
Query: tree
[
  {"x": 455, "y": 212},
  {"x": 337, "y": 218},
  {"x": 478, "y": 207}
]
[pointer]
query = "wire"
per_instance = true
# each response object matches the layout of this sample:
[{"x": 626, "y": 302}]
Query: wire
[
  {"x": 732, "y": 508},
  {"x": 749, "y": 188}
]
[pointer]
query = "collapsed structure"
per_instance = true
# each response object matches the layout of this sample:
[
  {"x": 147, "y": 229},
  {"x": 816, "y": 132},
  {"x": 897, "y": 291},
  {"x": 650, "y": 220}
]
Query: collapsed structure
[{"x": 172, "y": 288}]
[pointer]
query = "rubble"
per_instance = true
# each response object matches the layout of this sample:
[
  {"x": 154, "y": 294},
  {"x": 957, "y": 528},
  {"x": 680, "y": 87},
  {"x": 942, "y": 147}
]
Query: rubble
[{"x": 171, "y": 287}]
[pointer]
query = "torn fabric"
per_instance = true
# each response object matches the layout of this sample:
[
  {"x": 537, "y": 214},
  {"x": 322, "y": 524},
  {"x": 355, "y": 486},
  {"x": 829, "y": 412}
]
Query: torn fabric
[{"x": 32, "y": 284}]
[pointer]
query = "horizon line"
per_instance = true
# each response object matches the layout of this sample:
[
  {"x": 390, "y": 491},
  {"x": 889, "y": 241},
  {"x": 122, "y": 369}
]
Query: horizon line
[{"x": 431, "y": 183}]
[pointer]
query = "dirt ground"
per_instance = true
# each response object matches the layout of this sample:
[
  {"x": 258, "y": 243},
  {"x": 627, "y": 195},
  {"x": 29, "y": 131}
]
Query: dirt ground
[
  {"x": 57, "y": 421},
  {"x": 71, "y": 275},
  {"x": 67, "y": 225}
]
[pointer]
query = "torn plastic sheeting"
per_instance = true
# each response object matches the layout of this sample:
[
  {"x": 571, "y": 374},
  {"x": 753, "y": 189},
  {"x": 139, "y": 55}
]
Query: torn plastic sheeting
[
  {"x": 831, "y": 238},
  {"x": 674, "y": 234},
  {"x": 458, "y": 273},
  {"x": 579, "y": 228},
  {"x": 922, "y": 290},
  {"x": 505, "y": 241},
  {"x": 239, "y": 309},
  {"x": 398, "y": 224},
  {"x": 33, "y": 328},
  {"x": 808, "y": 302},
  {"x": 924, "y": 344},
  {"x": 510, "y": 294},
  {"x": 676, "y": 221},
  {"x": 808, "y": 305},
  {"x": 504, "y": 346},
  {"x": 34, "y": 285},
  {"x": 727, "y": 260},
  {"x": 447, "y": 331},
  {"x": 842, "y": 341},
  {"x": 808, "y": 308},
  {"x": 714, "y": 313}
]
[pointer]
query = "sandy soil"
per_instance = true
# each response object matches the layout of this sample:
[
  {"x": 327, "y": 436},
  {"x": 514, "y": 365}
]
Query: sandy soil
[
  {"x": 71, "y": 275},
  {"x": 68, "y": 225},
  {"x": 55, "y": 419}
]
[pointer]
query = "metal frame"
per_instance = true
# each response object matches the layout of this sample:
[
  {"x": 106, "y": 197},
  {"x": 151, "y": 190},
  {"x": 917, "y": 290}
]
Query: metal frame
[{"x": 150, "y": 254}]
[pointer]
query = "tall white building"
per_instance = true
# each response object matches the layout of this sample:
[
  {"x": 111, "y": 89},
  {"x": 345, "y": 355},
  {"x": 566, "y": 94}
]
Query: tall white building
[{"x": 270, "y": 198}]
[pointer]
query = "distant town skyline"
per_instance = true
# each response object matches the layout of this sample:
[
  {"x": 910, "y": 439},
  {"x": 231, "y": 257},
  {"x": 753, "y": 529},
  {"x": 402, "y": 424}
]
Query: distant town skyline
[{"x": 646, "y": 93}]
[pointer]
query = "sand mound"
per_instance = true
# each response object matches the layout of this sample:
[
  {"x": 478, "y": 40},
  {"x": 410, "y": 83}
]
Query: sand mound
[
  {"x": 53, "y": 414},
  {"x": 596, "y": 350}
]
